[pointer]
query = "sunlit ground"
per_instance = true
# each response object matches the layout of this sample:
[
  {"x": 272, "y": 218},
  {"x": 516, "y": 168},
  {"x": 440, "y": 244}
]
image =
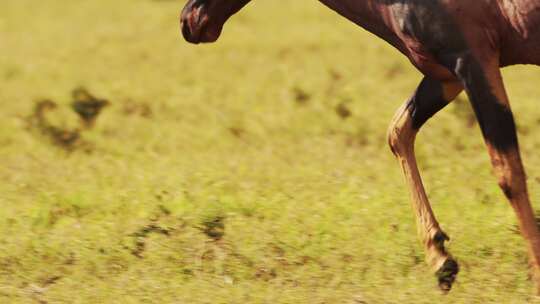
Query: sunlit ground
[{"x": 255, "y": 170}]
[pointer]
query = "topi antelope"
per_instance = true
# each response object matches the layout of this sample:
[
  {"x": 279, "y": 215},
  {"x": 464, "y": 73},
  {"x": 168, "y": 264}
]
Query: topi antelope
[{"x": 457, "y": 45}]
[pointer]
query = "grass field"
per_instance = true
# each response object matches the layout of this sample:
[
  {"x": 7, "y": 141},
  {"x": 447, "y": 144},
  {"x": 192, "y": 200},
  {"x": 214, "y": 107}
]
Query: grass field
[{"x": 255, "y": 170}]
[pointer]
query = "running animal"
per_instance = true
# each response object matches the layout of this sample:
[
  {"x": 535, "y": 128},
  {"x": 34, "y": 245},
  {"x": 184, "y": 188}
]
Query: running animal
[{"x": 457, "y": 45}]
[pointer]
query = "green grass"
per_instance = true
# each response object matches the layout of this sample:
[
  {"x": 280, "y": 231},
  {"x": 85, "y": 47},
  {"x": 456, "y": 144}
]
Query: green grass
[{"x": 224, "y": 174}]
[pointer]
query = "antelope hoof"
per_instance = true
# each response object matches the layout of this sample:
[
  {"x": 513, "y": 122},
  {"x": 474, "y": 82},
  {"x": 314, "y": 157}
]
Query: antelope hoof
[{"x": 447, "y": 274}]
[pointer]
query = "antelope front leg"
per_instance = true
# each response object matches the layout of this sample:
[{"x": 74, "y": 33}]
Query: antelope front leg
[
  {"x": 484, "y": 85},
  {"x": 429, "y": 98}
]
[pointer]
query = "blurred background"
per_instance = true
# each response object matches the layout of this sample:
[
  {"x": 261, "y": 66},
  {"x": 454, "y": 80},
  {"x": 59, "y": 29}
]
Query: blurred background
[{"x": 137, "y": 168}]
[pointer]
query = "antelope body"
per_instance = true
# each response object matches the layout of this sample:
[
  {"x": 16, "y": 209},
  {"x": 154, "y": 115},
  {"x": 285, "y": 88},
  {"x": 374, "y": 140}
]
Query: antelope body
[{"x": 457, "y": 45}]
